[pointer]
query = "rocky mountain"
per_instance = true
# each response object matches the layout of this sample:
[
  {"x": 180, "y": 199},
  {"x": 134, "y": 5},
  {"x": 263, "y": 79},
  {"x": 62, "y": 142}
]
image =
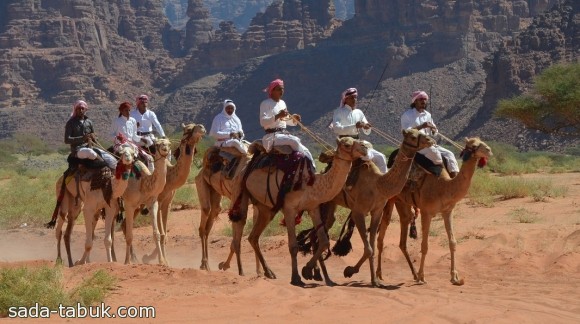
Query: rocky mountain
[{"x": 466, "y": 53}]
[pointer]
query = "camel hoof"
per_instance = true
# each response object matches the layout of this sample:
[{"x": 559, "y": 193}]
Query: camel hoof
[
  {"x": 223, "y": 266},
  {"x": 317, "y": 275},
  {"x": 307, "y": 273},
  {"x": 459, "y": 282},
  {"x": 204, "y": 266},
  {"x": 297, "y": 282},
  {"x": 269, "y": 274},
  {"x": 349, "y": 271},
  {"x": 377, "y": 284},
  {"x": 380, "y": 275}
]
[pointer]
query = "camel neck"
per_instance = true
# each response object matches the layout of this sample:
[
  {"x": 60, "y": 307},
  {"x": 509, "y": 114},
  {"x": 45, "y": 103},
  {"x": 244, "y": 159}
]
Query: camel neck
[
  {"x": 392, "y": 182},
  {"x": 458, "y": 186},
  {"x": 177, "y": 175},
  {"x": 329, "y": 184}
]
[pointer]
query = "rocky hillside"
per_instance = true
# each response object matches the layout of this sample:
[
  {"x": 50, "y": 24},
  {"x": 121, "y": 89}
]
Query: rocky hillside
[{"x": 468, "y": 54}]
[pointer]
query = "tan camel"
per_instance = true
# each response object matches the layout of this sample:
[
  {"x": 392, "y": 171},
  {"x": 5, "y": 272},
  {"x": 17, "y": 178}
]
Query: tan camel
[
  {"x": 176, "y": 177},
  {"x": 91, "y": 202},
  {"x": 306, "y": 198},
  {"x": 144, "y": 191},
  {"x": 211, "y": 187},
  {"x": 434, "y": 195},
  {"x": 371, "y": 192}
]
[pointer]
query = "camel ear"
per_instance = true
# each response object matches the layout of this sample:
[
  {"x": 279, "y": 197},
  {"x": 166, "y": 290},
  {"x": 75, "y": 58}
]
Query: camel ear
[{"x": 183, "y": 125}]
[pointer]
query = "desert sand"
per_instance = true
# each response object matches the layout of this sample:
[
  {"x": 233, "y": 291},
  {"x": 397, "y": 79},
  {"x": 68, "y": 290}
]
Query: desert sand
[{"x": 514, "y": 271}]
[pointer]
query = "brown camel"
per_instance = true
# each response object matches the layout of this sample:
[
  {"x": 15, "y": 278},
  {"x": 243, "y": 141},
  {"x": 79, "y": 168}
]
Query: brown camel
[
  {"x": 144, "y": 191},
  {"x": 91, "y": 202},
  {"x": 371, "y": 192},
  {"x": 434, "y": 195},
  {"x": 260, "y": 182},
  {"x": 176, "y": 177},
  {"x": 211, "y": 187}
]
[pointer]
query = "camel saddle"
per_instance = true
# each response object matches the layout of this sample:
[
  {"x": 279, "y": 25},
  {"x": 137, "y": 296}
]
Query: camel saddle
[
  {"x": 224, "y": 159},
  {"x": 420, "y": 168},
  {"x": 98, "y": 178}
]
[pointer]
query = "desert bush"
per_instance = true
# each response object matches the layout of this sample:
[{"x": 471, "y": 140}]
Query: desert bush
[
  {"x": 524, "y": 216},
  {"x": 44, "y": 285},
  {"x": 27, "y": 198},
  {"x": 487, "y": 188}
]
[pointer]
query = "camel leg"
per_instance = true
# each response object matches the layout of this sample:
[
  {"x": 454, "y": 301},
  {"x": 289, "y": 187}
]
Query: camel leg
[
  {"x": 405, "y": 216},
  {"x": 323, "y": 244},
  {"x": 155, "y": 225},
  {"x": 425, "y": 225},
  {"x": 289, "y": 217},
  {"x": 385, "y": 222},
  {"x": 376, "y": 216},
  {"x": 58, "y": 234},
  {"x": 210, "y": 201},
  {"x": 164, "y": 217},
  {"x": 89, "y": 226},
  {"x": 113, "y": 256},
  {"x": 448, "y": 220},
  {"x": 265, "y": 216},
  {"x": 359, "y": 221},
  {"x": 129, "y": 214},
  {"x": 67, "y": 234},
  {"x": 235, "y": 246},
  {"x": 124, "y": 229},
  {"x": 110, "y": 213}
]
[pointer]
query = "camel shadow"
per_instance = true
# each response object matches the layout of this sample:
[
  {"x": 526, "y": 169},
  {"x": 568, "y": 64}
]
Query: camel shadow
[{"x": 361, "y": 284}]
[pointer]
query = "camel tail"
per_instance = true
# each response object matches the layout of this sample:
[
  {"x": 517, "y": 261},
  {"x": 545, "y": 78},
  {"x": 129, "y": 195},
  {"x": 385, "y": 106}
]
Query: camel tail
[{"x": 343, "y": 246}]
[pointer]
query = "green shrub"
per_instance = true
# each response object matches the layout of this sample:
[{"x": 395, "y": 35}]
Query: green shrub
[
  {"x": 25, "y": 286},
  {"x": 486, "y": 188}
]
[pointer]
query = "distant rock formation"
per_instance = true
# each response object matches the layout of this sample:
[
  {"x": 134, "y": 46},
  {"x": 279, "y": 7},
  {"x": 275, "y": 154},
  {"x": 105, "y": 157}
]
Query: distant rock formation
[{"x": 59, "y": 51}]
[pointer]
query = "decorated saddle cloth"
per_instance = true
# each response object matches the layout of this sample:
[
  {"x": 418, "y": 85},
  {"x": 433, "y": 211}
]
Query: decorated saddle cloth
[
  {"x": 292, "y": 166},
  {"x": 224, "y": 159}
]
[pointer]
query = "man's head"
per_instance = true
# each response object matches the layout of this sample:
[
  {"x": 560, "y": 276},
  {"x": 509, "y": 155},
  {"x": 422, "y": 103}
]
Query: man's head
[
  {"x": 349, "y": 97},
  {"x": 275, "y": 89},
  {"x": 229, "y": 107},
  {"x": 142, "y": 102},
  {"x": 79, "y": 109},
  {"x": 124, "y": 109},
  {"x": 419, "y": 100}
]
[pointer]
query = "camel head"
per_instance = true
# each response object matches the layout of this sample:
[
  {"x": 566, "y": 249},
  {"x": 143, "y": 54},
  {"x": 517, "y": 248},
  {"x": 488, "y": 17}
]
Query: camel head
[
  {"x": 162, "y": 147},
  {"x": 350, "y": 149},
  {"x": 192, "y": 133},
  {"x": 128, "y": 164},
  {"x": 126, "y": 155},
  {"x": 476, "y": 148},
  {"x": 414, "y": 140}
]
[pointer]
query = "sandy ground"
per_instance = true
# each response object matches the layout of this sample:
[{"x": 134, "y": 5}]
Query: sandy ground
[{"x": 514, "y": 271}]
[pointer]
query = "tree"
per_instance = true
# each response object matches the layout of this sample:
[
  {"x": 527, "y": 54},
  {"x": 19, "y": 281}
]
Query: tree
[{"x": 552, "y": 106}]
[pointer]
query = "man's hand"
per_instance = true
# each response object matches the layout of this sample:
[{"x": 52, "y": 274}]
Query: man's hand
[
  {"x": 359, "y": 124},
  {"x": 297, "y": 117},
  {"x": 235, "y": 135},
  {"x": 240, "y": 134},
  {"x": 282, "y": 114},
  {"x": 427, "y": 125},
  {"x": 90, "y": 137},
  {"x": 367, "y": 126}
]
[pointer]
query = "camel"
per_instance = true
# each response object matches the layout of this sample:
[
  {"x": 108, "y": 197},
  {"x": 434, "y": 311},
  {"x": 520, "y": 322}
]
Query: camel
[
  {"x": 176, "y": 177},
  {"x": 370, "y": 193},
  {"x": 144, "y": 191},
  {"x": 434, "y": 195},
  {"x": 91, "y": 202},
  {"x": 262, "y": 183},
  {"x": 211, "y": 187}
]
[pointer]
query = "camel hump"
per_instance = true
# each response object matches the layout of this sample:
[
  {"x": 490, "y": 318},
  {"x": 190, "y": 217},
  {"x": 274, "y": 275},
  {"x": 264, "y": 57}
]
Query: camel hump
[
  {"x": 231, "y": 151},
  {"x": 258, "y": 147}
]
